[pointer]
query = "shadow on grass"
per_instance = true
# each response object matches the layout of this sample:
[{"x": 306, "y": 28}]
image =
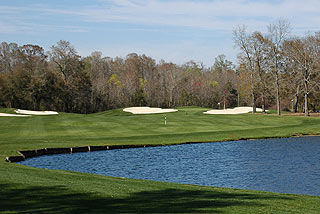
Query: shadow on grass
[{"x": 60, "y": 199}]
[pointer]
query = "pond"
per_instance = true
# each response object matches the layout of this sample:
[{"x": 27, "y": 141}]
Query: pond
[{"x": 288, "y": 165}]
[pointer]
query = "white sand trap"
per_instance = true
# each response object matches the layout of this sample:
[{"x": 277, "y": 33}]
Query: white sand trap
[
  {"x": 237, "y": 110},
  {"x": 13, "y": 115},
  {"x": 148, "y": 110},
  {"x": 28, "y": 112}
]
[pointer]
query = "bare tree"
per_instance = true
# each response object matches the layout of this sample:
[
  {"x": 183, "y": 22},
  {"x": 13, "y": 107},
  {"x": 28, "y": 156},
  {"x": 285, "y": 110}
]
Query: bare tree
[
  {"x": 305, "y": 53},
  {"x": 171, "y": 75},
  {"x": 278, "y": 31},
  {"x": 259, "y": 57},
  {"x": 292, "y": 79},
  {"x": 8, "y": 56},
  {"x": 65, "y": 56},
  {"x": 244, "y": 42}
]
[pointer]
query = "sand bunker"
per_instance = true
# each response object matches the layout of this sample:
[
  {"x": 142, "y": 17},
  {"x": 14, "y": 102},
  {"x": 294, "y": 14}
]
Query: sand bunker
[
  {"x": 28, "y": 112},
  {"x": 148, "y": 110},
  {"x": 13, "y": 115},
  {"x": 237, "y": 110}
]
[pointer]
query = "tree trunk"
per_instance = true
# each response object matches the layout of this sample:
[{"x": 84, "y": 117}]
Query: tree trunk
[
  {"x": 306, "y": 109},
  {"x": 278, "y": 93},
  {"x": 263, "y": 103},
  {"x": 296, "y": 100},
  {"x": 171, "y": 98},
  {"x": 252, "y": 95}
]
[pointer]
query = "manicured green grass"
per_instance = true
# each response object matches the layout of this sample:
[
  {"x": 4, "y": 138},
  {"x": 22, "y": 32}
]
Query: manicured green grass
[{"x": 26, "y": 189}]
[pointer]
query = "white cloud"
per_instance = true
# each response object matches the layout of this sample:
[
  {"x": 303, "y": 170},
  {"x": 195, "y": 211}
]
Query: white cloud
[
  {"x": 210, "y": 15},
  {"x": 5, "y": 28},
  {"x": 213, "y": 15},
  {"x": 202, "y": 20}
]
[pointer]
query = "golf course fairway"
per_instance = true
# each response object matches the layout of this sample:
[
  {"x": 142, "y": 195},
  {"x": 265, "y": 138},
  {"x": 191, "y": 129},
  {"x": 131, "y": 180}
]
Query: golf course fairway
[{"x": 30, "y": 190}]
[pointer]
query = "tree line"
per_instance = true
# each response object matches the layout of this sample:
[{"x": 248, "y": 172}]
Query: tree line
[{"x": 273, "y": 72}]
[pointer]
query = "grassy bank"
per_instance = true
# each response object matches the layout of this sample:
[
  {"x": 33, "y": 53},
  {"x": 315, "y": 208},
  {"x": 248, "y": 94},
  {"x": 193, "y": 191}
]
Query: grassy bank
[{"x": 51, "y": 191}]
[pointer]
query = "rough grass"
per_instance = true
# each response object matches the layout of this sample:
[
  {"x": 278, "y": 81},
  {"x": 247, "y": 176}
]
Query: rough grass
[{"x": 26, "y": 189}]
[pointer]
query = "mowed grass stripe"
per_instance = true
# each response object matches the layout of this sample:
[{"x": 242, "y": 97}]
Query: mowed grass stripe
[{"x": 70, "y": 126}]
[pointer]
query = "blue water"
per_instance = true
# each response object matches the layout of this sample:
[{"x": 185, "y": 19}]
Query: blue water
[{"x": 290, "y": 165}]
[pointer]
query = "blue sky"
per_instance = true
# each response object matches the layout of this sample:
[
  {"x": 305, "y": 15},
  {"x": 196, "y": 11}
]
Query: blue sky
[{"x": 176, "y": 31}]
